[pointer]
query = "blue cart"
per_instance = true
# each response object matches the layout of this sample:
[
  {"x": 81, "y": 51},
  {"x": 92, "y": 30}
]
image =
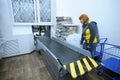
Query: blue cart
[
  {"x": 110, "y": 65},
  {"x": 100, "y": 49}
]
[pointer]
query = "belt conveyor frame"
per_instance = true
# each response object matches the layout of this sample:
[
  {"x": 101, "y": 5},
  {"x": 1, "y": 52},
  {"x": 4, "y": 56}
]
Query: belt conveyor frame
[{"x": 59, "y": 57}]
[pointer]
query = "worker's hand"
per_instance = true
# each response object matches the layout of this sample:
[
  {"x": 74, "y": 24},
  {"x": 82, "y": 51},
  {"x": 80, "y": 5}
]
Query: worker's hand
[
  {"x": 81, "y": 46},
  {"x": 88, "y": 46}
]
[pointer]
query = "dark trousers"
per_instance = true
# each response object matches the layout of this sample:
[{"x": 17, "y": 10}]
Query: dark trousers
[{"x": 91, "y": 49}]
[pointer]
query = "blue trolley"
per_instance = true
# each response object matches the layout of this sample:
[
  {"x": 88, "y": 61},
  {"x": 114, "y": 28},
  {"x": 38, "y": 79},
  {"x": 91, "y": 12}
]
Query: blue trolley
[
  {"x": 110, "y": 65},
  {"x": 100, "y": 49}
]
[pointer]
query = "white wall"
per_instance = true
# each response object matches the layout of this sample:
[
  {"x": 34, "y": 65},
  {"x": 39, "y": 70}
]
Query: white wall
[
  {"x": 105, "y": 12},
  {"x": 5, "y": 21},
  {"x": 23, "y": 34},
  {"x": 5, "y": 24},
  {"x": 26, "y": 43},
  {"x": 9, "y": 31},
  {"x": 20, "y": 30}
]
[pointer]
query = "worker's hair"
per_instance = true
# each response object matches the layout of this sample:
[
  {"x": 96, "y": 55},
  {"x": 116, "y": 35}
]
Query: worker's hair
[{"x": 84, "y": 17}]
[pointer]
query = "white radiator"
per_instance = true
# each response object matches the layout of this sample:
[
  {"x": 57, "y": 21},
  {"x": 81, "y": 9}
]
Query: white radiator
[{"x": 9, "y": 48}]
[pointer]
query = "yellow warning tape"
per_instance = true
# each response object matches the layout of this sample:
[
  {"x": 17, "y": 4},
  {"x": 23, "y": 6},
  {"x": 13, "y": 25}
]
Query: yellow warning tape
[
  {"x": 93, "y": 62},
  {"x": 64, "y": 67},
  {"x": 73, "y": 71},
  {"x": 87, "y": 64},
  {"x": 80, "y": 67}
]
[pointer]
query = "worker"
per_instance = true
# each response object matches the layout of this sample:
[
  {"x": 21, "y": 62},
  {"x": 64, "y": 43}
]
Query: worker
[{"x": 90, "y": 36}]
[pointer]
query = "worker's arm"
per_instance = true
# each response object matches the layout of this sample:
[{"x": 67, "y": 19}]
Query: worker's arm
[
  {"x": 93, "y": 29},
  {"x": 82, "y": 39}
]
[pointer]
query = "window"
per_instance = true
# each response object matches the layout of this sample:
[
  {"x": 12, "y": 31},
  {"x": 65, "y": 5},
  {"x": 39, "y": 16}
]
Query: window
[
  {"x": 23, "y": 10},
  {"x": 45, "y": 10},
  {"x": 31, "y": 11}
]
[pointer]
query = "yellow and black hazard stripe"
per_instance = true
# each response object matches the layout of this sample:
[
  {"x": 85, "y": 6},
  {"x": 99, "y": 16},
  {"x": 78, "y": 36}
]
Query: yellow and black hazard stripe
[{"x": 80, "y": 67}]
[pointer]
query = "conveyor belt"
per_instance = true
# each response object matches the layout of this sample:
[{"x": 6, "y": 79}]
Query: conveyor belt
[
  {"x": 63, "y": 53},
  {"x": 75, "y": 63}
]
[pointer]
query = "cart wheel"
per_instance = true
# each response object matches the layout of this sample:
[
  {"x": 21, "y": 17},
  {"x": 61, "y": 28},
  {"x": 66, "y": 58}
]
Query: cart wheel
[
  {"x": 114, "y": 79},
  {"x": 99, "y": 73}
]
